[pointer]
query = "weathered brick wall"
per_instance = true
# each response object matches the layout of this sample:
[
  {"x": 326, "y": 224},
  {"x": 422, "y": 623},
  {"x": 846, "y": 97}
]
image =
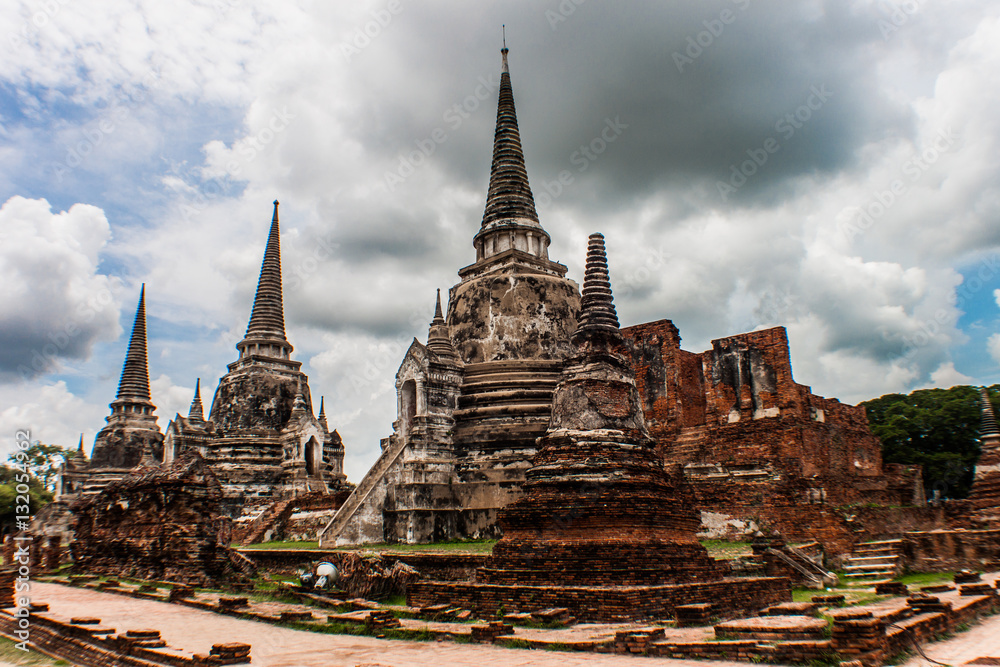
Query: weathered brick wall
[
  {"x": 436, "y": 566},
  {"x": 738, "y": 406},
  {"x": 948, "y": 550},
  {"x": 157, "y": 523},
  {"x": 729, "y": 597}
]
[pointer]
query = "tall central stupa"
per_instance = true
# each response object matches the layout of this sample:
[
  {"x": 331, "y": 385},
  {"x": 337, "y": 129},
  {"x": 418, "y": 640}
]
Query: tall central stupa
[{"x": 473, "y": 401}]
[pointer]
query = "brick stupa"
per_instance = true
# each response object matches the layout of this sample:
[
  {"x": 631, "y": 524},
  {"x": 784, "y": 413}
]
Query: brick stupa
[
  {"x": 985, "y": 494},
  {"x": 598, "y": 508},
  {"x": 601, "y": 529}
]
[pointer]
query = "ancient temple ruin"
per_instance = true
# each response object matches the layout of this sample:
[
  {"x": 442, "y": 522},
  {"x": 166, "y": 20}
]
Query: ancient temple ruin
[
  {"x": 601, "y": 529},
  {"x": 160, "y": 522},
  {"x": 131, "y": 429},
  {"x": 473, "y": 401},
  {"x": 262, "y": 438},
  {"x": 984, "y": 499}
]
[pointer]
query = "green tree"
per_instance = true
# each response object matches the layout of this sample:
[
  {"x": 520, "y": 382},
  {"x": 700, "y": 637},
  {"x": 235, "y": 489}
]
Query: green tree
[
  {"x": 43, "y": 462},
  {"x": 937, "y": 428},
  {"x": 38, "y": 496}
]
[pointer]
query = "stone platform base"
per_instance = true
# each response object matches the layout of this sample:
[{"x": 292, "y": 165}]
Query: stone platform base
[{"x": 729, "y": 597}]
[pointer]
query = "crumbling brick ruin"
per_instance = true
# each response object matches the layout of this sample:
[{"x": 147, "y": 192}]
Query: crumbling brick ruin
[
  {"x": 261, "y": 439},
  {"x": 161, "y": 522},
  {"x": 473, "y": 401},
  {"x": 600, "y": 522},
  {"x": 984, "y": 499}
]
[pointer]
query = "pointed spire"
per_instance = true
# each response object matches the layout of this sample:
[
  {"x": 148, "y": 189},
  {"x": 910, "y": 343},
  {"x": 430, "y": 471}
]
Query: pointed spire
[
  {"x": 509, "y": 196},
  {"x": 438, "y": 315},
  {"x": 79, "y": 453},
  {"x": 322, "y": 415},
  {"x": 266, "y": 330},
  {"x": 597, "y": 312},
  {"x": 438, "y": 336},
  {"x": 197, "y": 412},
  {"x": 267, "y": 320},
  {"x": 988, "y": 425},
  {"x": 134, "y": 383}
]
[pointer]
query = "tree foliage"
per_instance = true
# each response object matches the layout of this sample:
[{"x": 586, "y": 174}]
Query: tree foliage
[
  {"x": 937, "y": 428},
  {"x": 38, "y": 496},
  {"x": 43, "y": 462}
]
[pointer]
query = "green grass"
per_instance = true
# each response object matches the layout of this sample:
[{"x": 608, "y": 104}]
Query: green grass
[
  {"x": 927, "y": 578},
  {"x": 360, "y": 630},
  {"x": 723, "y": 550},
  {"x": 280, "y": 545},
  {"x": 11, "y": 655},
  {"x": 850, "y": 595},
  {"x": 469, "y": 546}
]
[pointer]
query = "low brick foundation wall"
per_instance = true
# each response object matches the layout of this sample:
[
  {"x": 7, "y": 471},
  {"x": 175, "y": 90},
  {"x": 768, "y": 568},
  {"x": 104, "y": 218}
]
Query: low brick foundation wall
[
  {"x": 729, "y": 596},
  {"x": 948, "y": 550},
  {"x": 83, "y": 646},
  {"x": 433, "y": 566}
]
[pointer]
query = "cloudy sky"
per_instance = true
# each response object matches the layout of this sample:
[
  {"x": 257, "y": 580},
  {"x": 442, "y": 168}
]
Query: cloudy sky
[{"x": 828, "y": 166}]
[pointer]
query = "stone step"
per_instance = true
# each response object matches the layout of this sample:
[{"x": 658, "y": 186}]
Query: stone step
[
  {"x": 506, "y": 396},
  {"x": 509, "y": 380},
  {"x": 518, "y": 411},
  {"x": 872, "y": 567},
  {"x": 868, "y": 575},
  {"x": 892, "y": 558}
]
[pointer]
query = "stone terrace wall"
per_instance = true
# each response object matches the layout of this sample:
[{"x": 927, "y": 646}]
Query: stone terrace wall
[
  {"x": 436, "y": 566},
  {"x": 157, "y": 523},
  {"x": 948, "y": 550},
  {"x": 730, "y": 596}
]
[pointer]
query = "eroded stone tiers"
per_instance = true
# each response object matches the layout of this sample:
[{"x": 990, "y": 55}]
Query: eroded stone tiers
[
  {"x": 157, "y": 523},
  {"x": 984, "y": 499},
  {"x": 605, "y": 603},
  {"x": 598, "y": 511}
]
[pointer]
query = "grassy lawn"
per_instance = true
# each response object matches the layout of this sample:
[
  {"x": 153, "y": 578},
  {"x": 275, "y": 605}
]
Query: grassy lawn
[
  {"x": 10, "y": 655},
  {"x": 468, "y": 546},
  {"x": 927, "y": 578},
  {"x": 280, "y": 545},
  {"x": 718, "y": 549}
]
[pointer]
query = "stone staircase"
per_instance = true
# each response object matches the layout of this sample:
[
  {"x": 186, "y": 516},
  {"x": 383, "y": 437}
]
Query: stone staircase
[
  {"x": 874, "y": 562},
  {"x": 256, "y": 530},
  {"x": 361, "y": 492},
  {"x": 507, "y": 399}
]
